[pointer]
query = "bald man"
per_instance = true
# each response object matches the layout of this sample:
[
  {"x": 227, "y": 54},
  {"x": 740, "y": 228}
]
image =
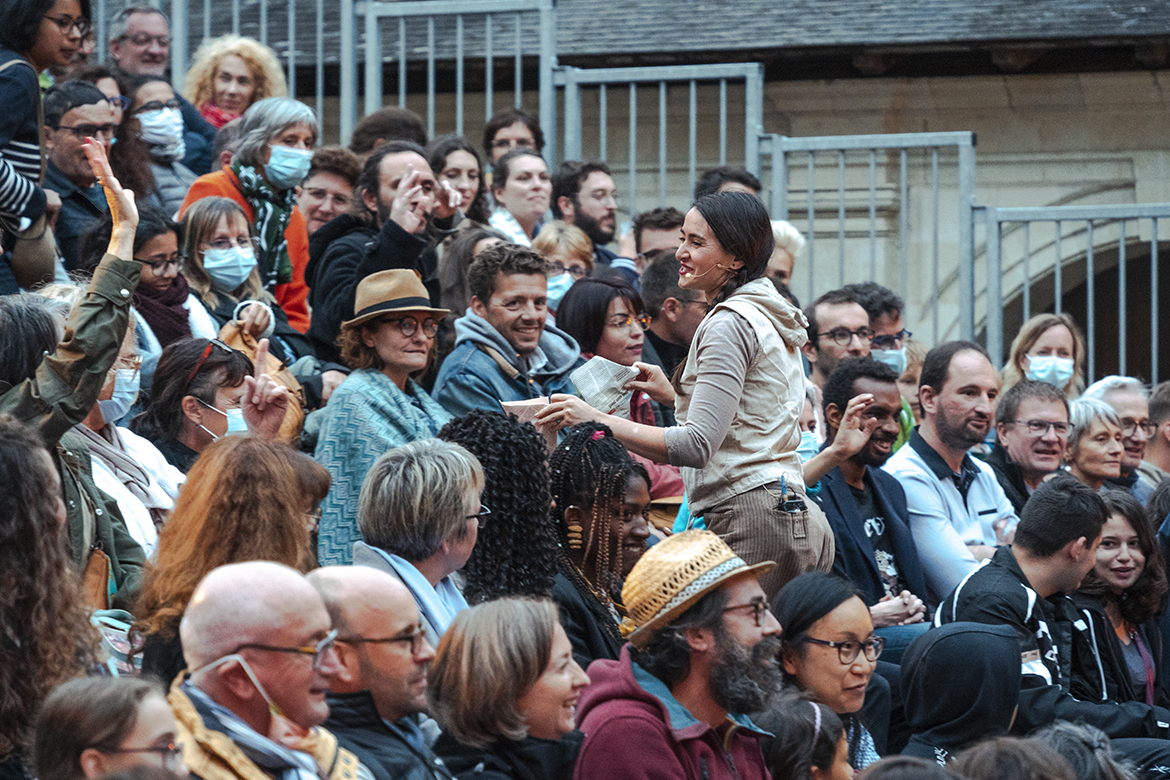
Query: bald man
[
  {"x": 381, "y": 683},
  {"x": 259, "y": 643}
]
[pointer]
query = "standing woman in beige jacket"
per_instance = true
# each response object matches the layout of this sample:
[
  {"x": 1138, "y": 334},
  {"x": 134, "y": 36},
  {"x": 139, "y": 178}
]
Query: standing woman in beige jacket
[{"x": 737, "y": 400}]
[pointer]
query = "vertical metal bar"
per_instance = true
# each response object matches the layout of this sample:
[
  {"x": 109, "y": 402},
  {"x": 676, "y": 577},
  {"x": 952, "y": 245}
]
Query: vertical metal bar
[
  {"x": 602, "y": 122},
  {"x": 572, "y": 115},
  {"x": 373, "y": 79},
  {"x": 1058, "y": 269},
  {"x": 1121, "y": 295},
  {"x": 777, "y": 176},
  {"x": 206, "y": 18},
  {"x": 100, "y": 37},
  {"x": 994, "y": 293},
  {"x": 753, "y": 118},
  {"x": 810, "y": 206},
  {"x": 236, "y": 16},
  {"x": 723, "y": 121},
  {"x": 347, "y": 95},
  {"x": 264, "y": 24},
  {"x": 292, "y": 55},
  {"x": 934, "y": 188},
  {"x": 966, "y": 253},
  {"x": 693, "y": 136},
  {"x": 320, "y": 67},
  {"x": 1154, "y": 302},
  {"x": 633, "y": 148},
  {"x": 547, "y": 88},
  {"x": 841, "y": 218},
  {"x": 661, "y": 144},
  {"x": 489, "y": 66},
  {"x": 1027, "y": 271},
  {"x": 518, "y": 68},
  {"x": 780, "y": 156},
  {"x": 459, "y": 74},
  {"x": 430, "y": 77},
  {"x": 1092, "y": 305},
  {"x": 402, "y": 68},
  {"x": 178, "y": 43},
  {"x": 873, "y": 215},
  {"x": 904, "y": 218}
]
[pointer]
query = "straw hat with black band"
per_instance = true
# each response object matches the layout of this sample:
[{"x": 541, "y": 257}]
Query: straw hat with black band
[
  {"x": 386, "y": 292},
  {"x": 675, "y": 573}
]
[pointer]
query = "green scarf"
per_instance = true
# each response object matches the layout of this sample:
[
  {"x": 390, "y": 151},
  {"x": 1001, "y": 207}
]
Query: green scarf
[{"x": 272, "y": 211}]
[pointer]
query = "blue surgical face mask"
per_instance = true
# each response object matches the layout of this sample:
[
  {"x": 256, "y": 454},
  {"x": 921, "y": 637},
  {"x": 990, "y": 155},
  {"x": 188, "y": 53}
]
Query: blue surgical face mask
[
  {"x": 287, "y": 167},
  {"x": 235, "y": 420},
  {"x": 125, "y": 393},
  {"x": 557, "y": 287},
  {"x": 229, "y": 268},
  {"x": 163, "y": 130},
  {"x": 808, "y": 446},
  {"x": 894, "y": 358},
  {"x": 1054, "y": 370}
]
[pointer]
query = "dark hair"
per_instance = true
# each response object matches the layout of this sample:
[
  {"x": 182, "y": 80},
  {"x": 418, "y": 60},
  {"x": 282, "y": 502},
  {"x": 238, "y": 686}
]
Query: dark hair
[
  {"x": 1158, "y": 508},
  {"x": 507, "y": 118},
  {"x": 44, "y": 622},
  {"x": 337, "y": 161},
  {"x": 1007, "y": 406},
  {"x": 661, "y": 218},
  {"x": 506, "y": 259},
  {"x": 91, "y": 712},
  {"x": 438, "y": 151},
  {"x": 1160, "y": 403},
  {"x": 133, "y": 84},
  {"x": 68, "y": 95},
  {"x": 164, "y": 417},
  {"x": 28, "y": 330},
  {"x": 22, "y": 21},
  {"x": 667, "y": 656},
  {"x": 877, "y": 300},
  {"x": 370, "y": 179},
  {"x": 710, "y": 182},
  {"x": 515, "y": 553},
  {"x": 454, "y": 265},
  {"x": 742, "y": 228},
  {"x": 227, "y": 137},
  {"x": 503, "y": 166},
  {"x": 1147, "y": 597},
  {"x": 1062, "y": 510},
  {"x": 806, "y": 599},
  {"x": 568, "y": 180},
  {"x": 907, "y": 768},
  {"x": 93, "y": 73},
  {"x": 798, "y": 743},
  {"x": 838, "y": 389},
  {"x": 1087, "y": 749},
  {"x": 1019, "y": 759},
  {"x": 660, "y": 281},
  {"x": 581, "y": 312},
  {"x": 152, "y": 223},
  {"x": 831, "y": 298},
  {"x": 936, "y": 366},
  {"x": 387, "y": 124},
  {"x": 785, "y": 291}
]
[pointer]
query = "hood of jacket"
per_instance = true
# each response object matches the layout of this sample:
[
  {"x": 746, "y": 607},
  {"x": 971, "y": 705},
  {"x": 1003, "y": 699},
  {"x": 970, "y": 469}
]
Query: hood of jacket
[
  {"x": 789, "y": 321},
  {"x": 945, "y": 674},
  {"x": 559, "y": 348}
]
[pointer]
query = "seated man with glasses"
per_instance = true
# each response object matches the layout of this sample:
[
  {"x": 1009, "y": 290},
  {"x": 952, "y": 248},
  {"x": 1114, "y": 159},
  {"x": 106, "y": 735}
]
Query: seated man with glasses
[
  {"x": 1032, "y": 428},
  {"x": 838, "y": 327},
  {"x": 888, "y": 343},
  {"x": 420, "y": 515},
  {"x": 1129, "y": 399},
  {"x": 1026, "y": 586},
  {"x": 378, "y": 698},
  {"x": 258, "y": 642},
  {"x": 73, "y": 111}
]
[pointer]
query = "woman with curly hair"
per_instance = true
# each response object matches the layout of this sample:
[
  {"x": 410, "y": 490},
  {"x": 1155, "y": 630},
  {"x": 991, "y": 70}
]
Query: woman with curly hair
[
  {"x": 230, "y": 73},
  {"x": 45, "y": 636},
  {"x": 243, "y": 501},
  {"x": 1124, "y": 594},
  {"x": 457, "y": 167},
  {"x": 516, "y": 551},
  {"x": 600, "y": 498}
]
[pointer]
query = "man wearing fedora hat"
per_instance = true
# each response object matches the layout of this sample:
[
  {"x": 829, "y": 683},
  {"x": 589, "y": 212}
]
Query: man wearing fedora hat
[{"x": 702, "y": 651}]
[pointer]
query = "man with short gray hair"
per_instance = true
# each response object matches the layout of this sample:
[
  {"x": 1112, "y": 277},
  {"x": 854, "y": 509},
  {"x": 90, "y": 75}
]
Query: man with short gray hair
[{"x": 1129, "y": 399}]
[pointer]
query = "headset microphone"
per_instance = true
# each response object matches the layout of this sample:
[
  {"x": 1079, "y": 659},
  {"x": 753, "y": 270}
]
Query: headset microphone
[{"x": 709, "y": 270}]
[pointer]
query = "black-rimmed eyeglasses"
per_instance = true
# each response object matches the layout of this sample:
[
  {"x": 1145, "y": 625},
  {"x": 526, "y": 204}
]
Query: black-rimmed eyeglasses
[
  {"x": 848, "y": 650},
  {"x": 842, "y": 336}
]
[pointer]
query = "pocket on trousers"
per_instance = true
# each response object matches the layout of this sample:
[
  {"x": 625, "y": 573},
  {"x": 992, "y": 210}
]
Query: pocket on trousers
[{"x": 797, "y": 522}]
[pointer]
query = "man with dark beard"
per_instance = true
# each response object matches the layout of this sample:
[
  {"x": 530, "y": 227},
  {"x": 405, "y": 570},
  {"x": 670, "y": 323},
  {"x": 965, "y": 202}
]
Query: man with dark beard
[
  {"x": 703, "y": 650},
  {"x": 584, "y": 195},
  {"x": 958, "y": 512}
]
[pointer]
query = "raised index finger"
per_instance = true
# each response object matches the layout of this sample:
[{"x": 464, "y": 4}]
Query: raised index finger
[
  {"x": 261, "y": 358},
  {"x": 96, "y": 154}
]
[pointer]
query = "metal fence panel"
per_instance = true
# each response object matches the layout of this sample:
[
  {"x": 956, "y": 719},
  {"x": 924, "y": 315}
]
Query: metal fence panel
[{"x": 892, "y": 203}]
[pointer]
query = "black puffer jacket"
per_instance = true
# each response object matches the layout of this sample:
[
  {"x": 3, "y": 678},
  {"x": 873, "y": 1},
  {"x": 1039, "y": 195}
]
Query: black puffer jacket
[
  {"x": 1114, "y": 677},
  {"x": 528, "y": 759},
  {"x": 354, "y": 720}
]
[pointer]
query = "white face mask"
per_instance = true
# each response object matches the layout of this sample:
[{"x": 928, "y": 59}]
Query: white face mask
[
  {"x": 894, "y": 358},
  {"x": 235, "y": 420},
  {"x": 229, "y": 268},
  {"x": 125, "y": 393},
  {"x": 163, "y": 130},
  {"x": 1054, "y": 370}
]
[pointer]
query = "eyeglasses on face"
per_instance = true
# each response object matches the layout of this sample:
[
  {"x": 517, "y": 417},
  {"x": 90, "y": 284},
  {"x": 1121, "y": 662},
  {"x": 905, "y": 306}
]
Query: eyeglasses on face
[
  {"x": 92, "y": 131},
  {"x": 481, "y": 517},
  {"x": 120, "y": 102},
  {"x": 223, "y": 244},
  {"x": 891, "y": 340},
  {"x": 1040, "y": 427},
  {"x": 558, "y": 268},
  {"x": 848, "y": 651},
  {"x": 144, "y": 39},
  {"x": 159, "y": 264},
  {"x": 1130, "y": 427},
  {"x": 408, "y": 326},
  {"x": 168, "y": 752},
  {"x": 757, "y": 607},
  {"x": 67, "y": 23},
  {"x": 843, "y": 336},
  {"x": 624, "y": 320},
  {"x": 317, "y": 651},
  {"x": 340, "y": 200},
  {"x": 158, "y": 105},
  {"x": 416, "y": 638}
]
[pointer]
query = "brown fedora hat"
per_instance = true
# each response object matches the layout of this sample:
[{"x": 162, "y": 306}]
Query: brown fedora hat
[{"x": 389, "y": 291}]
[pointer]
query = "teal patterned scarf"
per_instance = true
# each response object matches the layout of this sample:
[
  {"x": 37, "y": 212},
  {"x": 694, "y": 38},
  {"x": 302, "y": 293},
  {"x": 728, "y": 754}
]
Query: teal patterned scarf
[{"x": 271, "y": 212}]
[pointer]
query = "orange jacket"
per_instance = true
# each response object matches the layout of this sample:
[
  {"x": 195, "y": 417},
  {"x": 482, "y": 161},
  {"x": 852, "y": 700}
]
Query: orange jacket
[{"x": 293, "y": 297}]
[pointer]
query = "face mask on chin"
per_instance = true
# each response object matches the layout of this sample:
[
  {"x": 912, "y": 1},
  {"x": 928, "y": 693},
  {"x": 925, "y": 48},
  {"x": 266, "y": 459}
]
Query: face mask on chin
[{"x": 281, "y": 730}]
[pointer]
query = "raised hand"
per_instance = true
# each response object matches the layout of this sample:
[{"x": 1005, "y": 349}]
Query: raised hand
[
  {"x": 265, "y": 401},
  {"x": 653, "y": 382},
  {"x": 121, "y": 201},
  {"x": 411, "y": 204}
]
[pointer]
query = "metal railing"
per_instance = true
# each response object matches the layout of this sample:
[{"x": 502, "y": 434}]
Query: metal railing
[
  {"x": 683, "y": 83},
  {"x": 1038, "y": 267},
  {"x": 869, "y": 190}
]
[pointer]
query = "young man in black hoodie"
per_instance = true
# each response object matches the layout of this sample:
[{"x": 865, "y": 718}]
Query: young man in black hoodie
[{"x": 1025, "y": 586}]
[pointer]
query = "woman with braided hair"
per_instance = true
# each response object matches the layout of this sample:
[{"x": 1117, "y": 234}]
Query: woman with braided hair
[
  {"x": 515, "y": 554},
  {"x": 600, "y": 497}
]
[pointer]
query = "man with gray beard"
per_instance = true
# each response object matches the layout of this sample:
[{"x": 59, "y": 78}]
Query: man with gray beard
[{"x": 703, "y": 650}]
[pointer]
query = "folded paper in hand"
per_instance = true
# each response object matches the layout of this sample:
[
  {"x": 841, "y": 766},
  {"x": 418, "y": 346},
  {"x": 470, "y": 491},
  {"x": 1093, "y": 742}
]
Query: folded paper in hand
[
  {"x": 525, "y": 411},
  {"x": 601, "y": 382}
]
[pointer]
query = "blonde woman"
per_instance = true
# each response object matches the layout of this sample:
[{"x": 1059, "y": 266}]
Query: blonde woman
[
  {"x": 229, "y": 74},
  {"x": 1049, "y": 348}
]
